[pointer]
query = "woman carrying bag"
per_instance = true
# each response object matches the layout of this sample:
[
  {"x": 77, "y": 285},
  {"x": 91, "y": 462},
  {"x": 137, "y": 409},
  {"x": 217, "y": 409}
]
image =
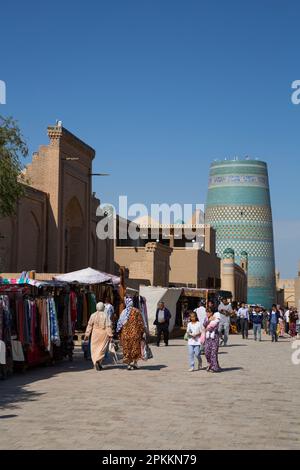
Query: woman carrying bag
[
  {"x": 131, "y": 328},
  {"x": 99, "y": 328}
]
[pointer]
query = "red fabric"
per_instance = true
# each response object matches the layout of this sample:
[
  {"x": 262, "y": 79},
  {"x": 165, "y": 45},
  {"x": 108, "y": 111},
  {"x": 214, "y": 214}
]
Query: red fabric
[
  {"x": 35, "y": 356},
  {"x": 73, "y": 306},
  {"x": 33, "y": 323}
]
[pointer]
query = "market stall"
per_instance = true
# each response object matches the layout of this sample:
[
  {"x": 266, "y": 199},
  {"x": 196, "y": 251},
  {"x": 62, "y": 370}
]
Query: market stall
[
  {"x": 153, "y": 295},
  {"x": 91, "y": 286},
  {"x": 36, "y": 323},
  {"x": 38, "y": 319}
]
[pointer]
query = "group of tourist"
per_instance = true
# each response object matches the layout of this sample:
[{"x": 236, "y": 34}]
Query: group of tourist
[
  {"x": 275, "y": 322},
  {"x": 207, "y": 329}
]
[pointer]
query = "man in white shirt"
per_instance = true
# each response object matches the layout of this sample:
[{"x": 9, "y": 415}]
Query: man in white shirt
[
  {"x": 243, "y": 315},
  {"x": 201, "y": 313},
  {"x": 225, "y": 310},
  {"x": 287, "y": 321}
]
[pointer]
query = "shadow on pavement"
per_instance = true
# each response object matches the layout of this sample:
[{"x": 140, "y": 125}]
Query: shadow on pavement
[
  {"x": 231, "y": 369},
  {"x": 13, "y": 390},
  {"x": 140, "y": 367},
  {"x": 154, "y": 367},
  {"x": 8, "y": 416}
]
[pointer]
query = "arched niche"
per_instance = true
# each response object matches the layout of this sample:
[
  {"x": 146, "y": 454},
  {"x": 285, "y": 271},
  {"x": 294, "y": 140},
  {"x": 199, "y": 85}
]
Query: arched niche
[{"x": 74, "y": 236}]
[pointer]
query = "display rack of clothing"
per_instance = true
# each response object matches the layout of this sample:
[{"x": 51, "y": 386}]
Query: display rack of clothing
[
  {"x": 33, "y": 329},
  {"x": 6, "y": 362}
]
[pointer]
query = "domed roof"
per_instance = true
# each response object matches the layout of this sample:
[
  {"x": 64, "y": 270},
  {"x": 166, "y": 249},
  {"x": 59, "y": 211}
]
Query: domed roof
[
  {"x": 244, "y": 253},
  {"x": 228, "y": 251}
]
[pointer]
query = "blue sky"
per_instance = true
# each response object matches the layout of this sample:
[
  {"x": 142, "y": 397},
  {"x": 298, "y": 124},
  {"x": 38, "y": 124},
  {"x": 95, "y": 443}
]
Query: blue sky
[{"x": 160, "y": 88}]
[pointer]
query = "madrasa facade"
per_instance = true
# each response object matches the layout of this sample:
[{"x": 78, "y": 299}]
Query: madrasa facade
[{"x": 54, "y": 228}]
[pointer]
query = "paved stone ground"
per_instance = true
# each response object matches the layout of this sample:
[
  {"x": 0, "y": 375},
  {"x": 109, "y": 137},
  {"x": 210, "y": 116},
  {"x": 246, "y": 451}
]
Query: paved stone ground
[{"x": 252, "y": 404}]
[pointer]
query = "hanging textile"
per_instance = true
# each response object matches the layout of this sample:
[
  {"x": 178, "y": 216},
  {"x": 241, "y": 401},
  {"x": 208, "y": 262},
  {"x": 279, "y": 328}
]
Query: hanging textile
[
  {"x": 2, "y": 353},
  {"x": 54, "y": 331},
  {"x": 17, "y": 351},
  {"x": 91, "y": 303},
  {"x": 85, "y": 310},
  {"x": 79, "y": 321},
  {"x": 73, "y": 306},
  {"x": 5, "y": 336}
]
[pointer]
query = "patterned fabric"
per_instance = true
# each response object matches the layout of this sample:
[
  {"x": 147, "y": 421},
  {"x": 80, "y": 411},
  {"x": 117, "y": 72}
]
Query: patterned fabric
[
  {"x": 27, "y": 322},
  {"x": 131, "y": 336},
  {"x": 73, "y": 306},
  {"x": 293, "y": 330},
  {"x": 42, "y": 307},
  {"x": 212, "y": 344},
  {"x": 211, "y": 353},
  {"x": 67, "y": 318},
  {"x": 54, "y": 331},
  {"x": 125, "y": 314}
]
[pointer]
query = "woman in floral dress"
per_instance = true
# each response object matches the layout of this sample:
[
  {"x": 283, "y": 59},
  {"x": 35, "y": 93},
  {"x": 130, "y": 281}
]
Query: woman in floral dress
[
  {"x": 131, "y": 328},
  {"x": 211, "y": 325},
  {"x": 293, "y": 319}
]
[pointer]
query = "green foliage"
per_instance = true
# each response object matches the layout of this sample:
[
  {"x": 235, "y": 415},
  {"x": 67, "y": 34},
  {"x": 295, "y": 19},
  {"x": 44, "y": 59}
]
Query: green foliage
[{"x": 12, "y": 148}]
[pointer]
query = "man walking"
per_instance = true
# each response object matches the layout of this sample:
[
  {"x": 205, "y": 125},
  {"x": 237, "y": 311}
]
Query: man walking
[
  {"x": 287, "y": 321},
  {"x": 225, "y": 310},
  {"x": 243, "y": 315},
  {"x": 257, "y": 319},
  {"x": 201, "y": 313},
  {"x": 162, "y": 320},
  {"x": 274, "y": 320}
]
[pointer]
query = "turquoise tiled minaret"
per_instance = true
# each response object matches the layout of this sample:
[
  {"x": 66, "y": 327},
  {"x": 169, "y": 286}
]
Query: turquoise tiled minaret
[{"x": 239, "y": 208}]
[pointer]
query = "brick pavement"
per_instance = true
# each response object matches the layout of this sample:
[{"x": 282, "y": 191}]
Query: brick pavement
[{"x": 252, "y": 404}]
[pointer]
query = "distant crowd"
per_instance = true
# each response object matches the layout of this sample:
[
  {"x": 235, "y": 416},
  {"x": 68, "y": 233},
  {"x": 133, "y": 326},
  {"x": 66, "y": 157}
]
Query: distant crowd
[
  {"x": 207, "y": 328},
  {"x": 239, "y": 318}
]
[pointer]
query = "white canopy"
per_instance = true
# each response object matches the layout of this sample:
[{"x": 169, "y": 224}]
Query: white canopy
[
  {"x": 153, "y": 295},
  {"x": 88, "y": 276}
]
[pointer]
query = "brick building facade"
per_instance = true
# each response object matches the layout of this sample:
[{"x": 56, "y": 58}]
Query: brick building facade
[{"x": 54, "y": 229}]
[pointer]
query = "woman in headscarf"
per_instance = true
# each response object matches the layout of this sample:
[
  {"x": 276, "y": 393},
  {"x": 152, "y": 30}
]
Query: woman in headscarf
[
  {"x": 99, "y": 327},
  {"x": 293, "y": 319},
  {"x": 131, "y": 328}
]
